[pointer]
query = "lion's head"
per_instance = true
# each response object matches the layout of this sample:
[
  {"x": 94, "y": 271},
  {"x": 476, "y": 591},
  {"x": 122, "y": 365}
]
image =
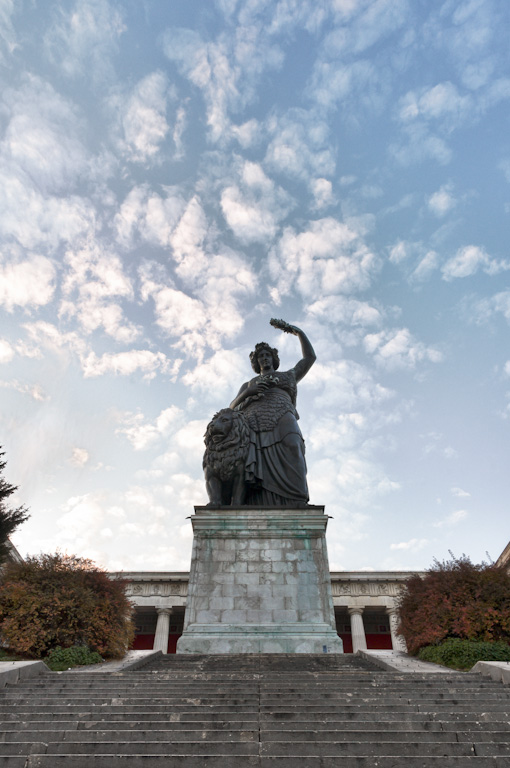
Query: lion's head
[{"x": 226, "y": 441}]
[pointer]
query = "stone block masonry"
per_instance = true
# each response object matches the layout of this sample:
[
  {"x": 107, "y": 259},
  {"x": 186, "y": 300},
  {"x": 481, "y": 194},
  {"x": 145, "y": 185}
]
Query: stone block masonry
[{"x": 259, "y": 582}]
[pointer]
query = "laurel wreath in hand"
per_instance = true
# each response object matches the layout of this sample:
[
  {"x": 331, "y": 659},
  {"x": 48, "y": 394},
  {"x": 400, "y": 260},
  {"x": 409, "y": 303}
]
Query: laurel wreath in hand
[{"x": 282, "y": 325}]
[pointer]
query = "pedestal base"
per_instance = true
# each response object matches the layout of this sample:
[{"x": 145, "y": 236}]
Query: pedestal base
[
  {"x": 259, "y": 583},
  {"x": 314, "y": 638}
]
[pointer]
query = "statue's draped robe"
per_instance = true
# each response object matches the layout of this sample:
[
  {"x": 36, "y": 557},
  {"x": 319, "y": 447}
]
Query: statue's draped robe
[{"x": 273, "y": 476}]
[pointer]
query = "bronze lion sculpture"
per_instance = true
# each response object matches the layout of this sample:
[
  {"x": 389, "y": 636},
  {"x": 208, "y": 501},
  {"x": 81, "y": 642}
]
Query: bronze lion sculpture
[{"x": 227, "y": 439}]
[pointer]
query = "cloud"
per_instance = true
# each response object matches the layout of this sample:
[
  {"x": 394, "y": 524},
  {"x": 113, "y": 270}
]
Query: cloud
[
  {"x": 253, "y": 209},
  {"x": 413, "y": 545},
  {"x": 453, "y": 519},
  {"x": 399, "y": 252},
  {"x": 487, "y": 308},
  {"x": 442, "y": 102},
  {"x": 8, "y": 40},
  {"x": 148, "y": 216},
  {"x": 144, "y": 117},
  {"x": 215, "y": 280},
  {"x": 397, "y": 348},
  {"x": 328, "y": 258},
  {"x": 299, "y": 146},
  {"x": 79, "y": 457},
  {"x": 142, "y": 434},
  {"x": 226, "y": 70},
  {"x": 93, "y": 278},
  {"x": 428, "y": 264},
  {"x": 34, "y": 391},
  {"x": 340, "y": 310},
  {"x": 442, "y": 201},
  {"x": 459, "y": 493},
  {"x": 468, "y": 260},
  {"x": 322, "y": 191},
  {"x": 127, "y": 363},
  {"x": 82, "y": 40},
  {"x": 26, "y": 283},
  {"x": 222, "y": 369},
  {"x": 42, "y": 135},
  {"x": 418, "y": 144},
  {"x": 6, "y": 351}
]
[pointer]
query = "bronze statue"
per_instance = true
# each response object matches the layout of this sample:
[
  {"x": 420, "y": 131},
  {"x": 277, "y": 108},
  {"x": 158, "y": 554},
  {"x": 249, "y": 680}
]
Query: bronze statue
[{"x": 275, "y": 467}]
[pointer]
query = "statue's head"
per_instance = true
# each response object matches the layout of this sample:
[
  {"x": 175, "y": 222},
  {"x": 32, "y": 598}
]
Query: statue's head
[{"x": 263, "y": 347}]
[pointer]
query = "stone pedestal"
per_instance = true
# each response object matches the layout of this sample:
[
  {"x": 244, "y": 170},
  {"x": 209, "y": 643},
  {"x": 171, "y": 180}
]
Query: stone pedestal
[{"x": 259, "y": 582}]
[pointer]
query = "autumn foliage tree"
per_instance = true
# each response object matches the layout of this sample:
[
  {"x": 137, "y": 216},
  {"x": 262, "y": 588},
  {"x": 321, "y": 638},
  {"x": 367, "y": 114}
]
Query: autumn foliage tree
[
  {"x": 10, "y": 517},
  {"x": 63, "y": 600},
  {"x": 455, "y": 599}
]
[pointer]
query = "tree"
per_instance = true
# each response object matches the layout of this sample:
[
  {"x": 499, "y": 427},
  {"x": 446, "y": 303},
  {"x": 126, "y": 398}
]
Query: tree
[
  {"x": 63, "y": 600},
  {"x": 10, "y": 518},
  {"x": 455, "y": 599}
]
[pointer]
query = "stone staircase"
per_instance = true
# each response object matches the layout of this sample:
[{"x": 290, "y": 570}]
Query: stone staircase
[{"x": 277, "y": 711}]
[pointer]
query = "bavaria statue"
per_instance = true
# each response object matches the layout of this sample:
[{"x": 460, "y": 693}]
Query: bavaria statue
[{"x": 255, "y": 452}]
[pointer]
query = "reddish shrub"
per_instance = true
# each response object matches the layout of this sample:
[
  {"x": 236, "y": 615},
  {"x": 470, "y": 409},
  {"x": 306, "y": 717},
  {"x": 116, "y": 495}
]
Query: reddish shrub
[
  {"x": 63, "y": 600},
  {"x": 455, "y": 599}
]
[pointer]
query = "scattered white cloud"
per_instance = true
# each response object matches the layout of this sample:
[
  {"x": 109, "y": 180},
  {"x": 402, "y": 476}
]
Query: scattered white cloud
[
  {"x": 82, "y": 38},
  {"x": 442, "y": 201},
  {"x": 399, "y": 349},
  {"x": 428, "y": 264},
  {"x": 459, "y": 493},
  {"x": 6, "y": 351},
  {"x": 442, "y": 102},
  {"x": 94, "y": 277},
  {"x": 468, "y": 260},
  {"x": 413, "y": 545},
  {"x": 327, "y": 258},
  {"x": 399, "y": 252},
  {"x": 322, "y": 191},
  {"x": 144, "y": 117},
  {"x": 142, "y": 433},
  {"x": 35, "y": 391},
  {"x": 453, "y": 519},
  {"x": 28, "y": 282},
  {"x": 299, "y": 146},
  {"x": 127, "y": 363},
  {"x": 79, "y": 457},
  {"x": 485, "y": 309},
  {"x": 253, "y": 208},
  {"x": 148, "y": 216}
]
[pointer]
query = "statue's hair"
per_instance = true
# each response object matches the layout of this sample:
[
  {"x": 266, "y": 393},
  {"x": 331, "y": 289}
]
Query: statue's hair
[
  {"x": 224, "y": 456},
  {"x": 255, "y": 355}
]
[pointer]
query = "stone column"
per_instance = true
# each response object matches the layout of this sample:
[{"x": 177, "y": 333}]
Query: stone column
[
  {"x": 162, "y": 629},
  {"x": 398, "y": 642},
  {"x": 359, "y": 640}
]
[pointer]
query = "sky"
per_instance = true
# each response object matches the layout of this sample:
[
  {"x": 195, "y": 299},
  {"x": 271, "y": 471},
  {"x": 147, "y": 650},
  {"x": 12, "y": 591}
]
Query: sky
[{"x": 174, "y": 174}]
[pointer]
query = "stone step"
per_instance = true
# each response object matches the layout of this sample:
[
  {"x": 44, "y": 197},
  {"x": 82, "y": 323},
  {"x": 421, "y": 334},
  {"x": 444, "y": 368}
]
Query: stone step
[
  {"x": 295, "y": 686},
  {"x": 55, "y": 735},
  {"x": 413, "y": 727},
  {"x": 337, "y": 749},
  {"x": 228, "y": 761},
  {"x": 312, "y": 697}
]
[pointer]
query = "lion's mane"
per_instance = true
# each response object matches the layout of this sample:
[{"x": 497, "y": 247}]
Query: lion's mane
[{"x": 222, "y": 457}]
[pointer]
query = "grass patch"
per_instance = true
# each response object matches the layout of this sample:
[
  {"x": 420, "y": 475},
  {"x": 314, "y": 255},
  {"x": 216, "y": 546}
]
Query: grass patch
[{"x": 60, "y": 659}]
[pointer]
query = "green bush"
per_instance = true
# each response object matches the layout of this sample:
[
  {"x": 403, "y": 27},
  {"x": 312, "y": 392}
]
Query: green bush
[
  {"x": 60, "y": 659},
  {"x": 463, "y": 654}
]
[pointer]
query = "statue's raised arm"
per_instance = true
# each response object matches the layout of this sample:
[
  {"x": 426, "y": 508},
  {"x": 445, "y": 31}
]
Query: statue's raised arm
[{"x": 309, "y": 356}]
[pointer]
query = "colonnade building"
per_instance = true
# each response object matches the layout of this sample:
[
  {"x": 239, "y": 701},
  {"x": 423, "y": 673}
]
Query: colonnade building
[{"x": 364, "y": 603}]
